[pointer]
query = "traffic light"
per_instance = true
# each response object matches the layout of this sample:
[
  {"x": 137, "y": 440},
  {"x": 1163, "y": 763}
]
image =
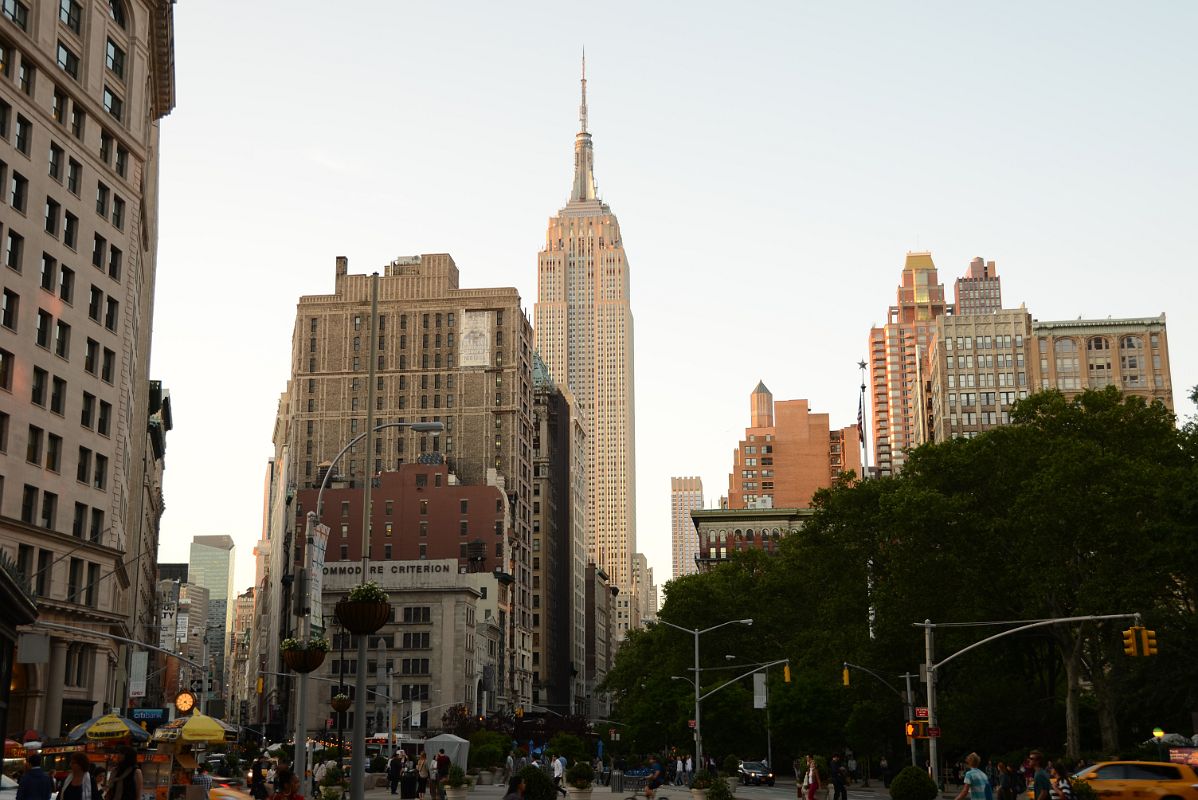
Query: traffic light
[
  {"x": 1148, "y": 639},
  {"x": 786, "y": 673},
  {"x": 844, "y": 676},
  {"x": 520, "y": 712},
  {"x": 1129, "y": 642},
  {"x": 910, "y": 728}
]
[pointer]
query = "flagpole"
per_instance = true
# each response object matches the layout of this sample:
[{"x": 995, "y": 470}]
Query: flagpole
[{"x": 861, "y": 424}]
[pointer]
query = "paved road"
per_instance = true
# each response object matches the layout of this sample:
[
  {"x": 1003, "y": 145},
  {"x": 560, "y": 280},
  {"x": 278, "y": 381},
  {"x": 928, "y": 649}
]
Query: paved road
[{"x": 783, "y": 790}]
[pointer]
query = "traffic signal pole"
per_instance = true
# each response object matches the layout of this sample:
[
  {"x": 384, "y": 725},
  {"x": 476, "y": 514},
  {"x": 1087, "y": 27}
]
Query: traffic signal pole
[{"x": 931, "y": 666}]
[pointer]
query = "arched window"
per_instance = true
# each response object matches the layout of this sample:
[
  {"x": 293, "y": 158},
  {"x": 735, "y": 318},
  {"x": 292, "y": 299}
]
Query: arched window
[
  {"x": 749, "y": 537},
  {"x": 1065, "y": 346},
  {"x": 1097, "y": 344},
  {"x": 1131, "y": 343},
  {"x": 116, "y": 10}
]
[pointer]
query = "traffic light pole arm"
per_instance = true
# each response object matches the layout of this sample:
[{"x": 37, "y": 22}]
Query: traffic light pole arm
[
  {"x": 885, "y": 683},
  {"x": 745, "y": 675},
  {"x": 1037, "y": 624}
]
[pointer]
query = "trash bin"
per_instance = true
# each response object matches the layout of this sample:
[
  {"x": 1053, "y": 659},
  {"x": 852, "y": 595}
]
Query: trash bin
[
  {"x": 617, "y": 780},
  {"x": 408, "y": 782}
]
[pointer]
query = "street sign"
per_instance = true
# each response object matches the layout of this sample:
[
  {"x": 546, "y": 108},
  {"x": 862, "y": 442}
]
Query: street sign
[
  {"x": 934, "y": 733},
  {"x": 692, "y": 723},
  {"x": 921, "y": 712}
]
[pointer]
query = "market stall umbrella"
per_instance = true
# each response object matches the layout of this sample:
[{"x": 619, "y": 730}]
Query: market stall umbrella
[
  {"x": 195, "y": 728},
  {"x": 32, "y": 736},
  {"x": 108, "y": 727},
  {"x": 13, "y": 749}
]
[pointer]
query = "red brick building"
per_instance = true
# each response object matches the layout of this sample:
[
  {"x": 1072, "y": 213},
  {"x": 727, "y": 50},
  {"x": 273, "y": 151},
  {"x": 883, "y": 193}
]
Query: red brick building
[
  {"x": 787, "y": 454},
  {"x": 421, "y": 512}
]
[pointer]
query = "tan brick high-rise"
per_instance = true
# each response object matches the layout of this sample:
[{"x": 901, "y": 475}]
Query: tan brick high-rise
[{"x": 583, "y": 329}]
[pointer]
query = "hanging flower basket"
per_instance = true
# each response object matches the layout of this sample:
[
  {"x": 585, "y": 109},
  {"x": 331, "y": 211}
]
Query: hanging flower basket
[
  {"x": 340, "y": 703},
  {"x": 303, "y": 660},
  {"x": 365, "y": 609},
  {"x": 301, "y": 656}
]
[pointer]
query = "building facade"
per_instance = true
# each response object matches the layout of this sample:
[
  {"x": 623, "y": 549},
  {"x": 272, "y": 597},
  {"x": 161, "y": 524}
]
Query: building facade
[
  {"x": 896, "y": 352},
  {"x": 439, "y": 651},
  {"x": 462, "y": 357},
  {"x": 979, "y": 290},
  {"x": 1132, "y": 354},
  {"x": 788, "y": 453},
  {"x": 600, "y": 598},
  {"x": 584, "y": 333},
  {"x": 686, "y": 495},
  {"x": 211, "y": 566},
  {"x": 724, "y": 531},
  {"x": 978, "y": 369},
  {"x": 84, "y": 89},
  {"x": 558, "y": 545}
]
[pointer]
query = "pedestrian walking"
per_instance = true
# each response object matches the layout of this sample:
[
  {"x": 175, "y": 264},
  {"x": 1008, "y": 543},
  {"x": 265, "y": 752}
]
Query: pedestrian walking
[
  {"x": 289, "y": 785},
  {"x": 839, "y": 777},
  {"x": 559, "y": 773},
  {"x": 1041, "y": 784},
  {"x": 884, "y": 768},
  {"x": 974, "y": 783},
  {"x": 515, "y": 788},
  {"x": 394, "y": 771},
  {"x": 126, "y": 781},
  {"x": 688, "y": 770},
  {"x": 810, "y": 784},
  {"x": 202, "y": 778},
  {"x": 421, "y": 775},
  {"x": 1061, "y": 785},
  {"x": 80, "y": 783}
]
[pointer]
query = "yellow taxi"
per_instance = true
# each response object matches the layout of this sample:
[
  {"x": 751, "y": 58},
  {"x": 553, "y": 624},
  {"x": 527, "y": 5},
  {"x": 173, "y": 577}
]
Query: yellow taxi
[{"x": 1142, "y": 780}]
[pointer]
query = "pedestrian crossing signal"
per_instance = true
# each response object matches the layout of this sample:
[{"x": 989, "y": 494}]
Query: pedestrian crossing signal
[{"x": 917, "y": 729}]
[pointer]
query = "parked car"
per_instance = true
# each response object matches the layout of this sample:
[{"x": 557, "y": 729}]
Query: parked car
[
  {"x": 754, "y": 772},
  {"x": 1142, "y": 780}
]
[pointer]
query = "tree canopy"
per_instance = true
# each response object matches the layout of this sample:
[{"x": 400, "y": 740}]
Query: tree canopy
[{"x": 1083, "y": 506}]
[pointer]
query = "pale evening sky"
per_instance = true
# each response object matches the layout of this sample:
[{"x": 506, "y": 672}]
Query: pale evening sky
[{"x": 770, "y": 165}]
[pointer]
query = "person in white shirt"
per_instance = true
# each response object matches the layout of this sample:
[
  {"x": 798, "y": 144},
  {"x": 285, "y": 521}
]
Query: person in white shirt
[
  {"x": 559, "y": 772},
  {"x": 688, "y": 769}
]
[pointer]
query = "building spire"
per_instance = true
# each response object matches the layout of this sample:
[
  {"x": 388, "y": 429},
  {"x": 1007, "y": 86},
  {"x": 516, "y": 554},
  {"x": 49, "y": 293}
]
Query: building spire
[
  {"x": 584, "y": 157},
  {"x": 582, "y": 109}
]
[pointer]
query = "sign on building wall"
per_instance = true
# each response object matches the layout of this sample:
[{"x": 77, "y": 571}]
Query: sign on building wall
[
  {"x": 341, "y": 575},
  {"x": 475, "y": 347},
  {"x": 320, "y": 543},
  {"x": 137, "y": 677}
]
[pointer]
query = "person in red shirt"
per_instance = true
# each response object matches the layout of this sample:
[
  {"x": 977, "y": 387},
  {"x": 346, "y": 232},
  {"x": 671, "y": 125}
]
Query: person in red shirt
[{"x": 443, "y": 765}]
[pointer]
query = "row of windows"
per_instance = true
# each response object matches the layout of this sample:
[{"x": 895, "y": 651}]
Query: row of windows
[{"x": 87, "y": 521}]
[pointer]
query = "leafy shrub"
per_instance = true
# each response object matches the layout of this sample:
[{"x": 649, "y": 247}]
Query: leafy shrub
[
  {"x": 731, "y": 765},
  {"x": 702, "y": 780},
  {"x": 456, "y": 778},
  {"x": 537, "y": 785},
  {"x": 581, "y": 775},
  {"x": 912, "y": 784},
  {"x": 332, "y": 776},
  {"x": 1082, "y": 790},
  {"x": 569, "y": 746},
  {"x": 487, "y": 756},
  {"x": 378, "y": 764},
  {"x": 720, "y": 790}
]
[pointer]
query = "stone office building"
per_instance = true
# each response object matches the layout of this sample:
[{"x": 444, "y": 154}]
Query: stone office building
[{"x": 83, "y": 87}]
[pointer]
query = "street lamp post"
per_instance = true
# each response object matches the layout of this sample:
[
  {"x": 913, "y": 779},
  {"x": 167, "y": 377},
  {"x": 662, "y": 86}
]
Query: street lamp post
[
  {"x": 1158, "y": 734},
  {"x": 696, "y": 633}
]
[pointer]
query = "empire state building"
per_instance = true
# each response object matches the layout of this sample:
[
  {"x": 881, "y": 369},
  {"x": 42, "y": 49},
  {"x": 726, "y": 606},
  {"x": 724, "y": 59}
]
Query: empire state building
[{"x": 583, "y": 331}]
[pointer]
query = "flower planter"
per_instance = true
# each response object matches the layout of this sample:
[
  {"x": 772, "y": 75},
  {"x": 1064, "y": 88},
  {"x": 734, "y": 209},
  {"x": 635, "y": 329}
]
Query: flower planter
[
  {"x": 456, "y": 792},
  {"x": 363, "y": 617},
  {"x": 578, "y": 794},
  {"x": 486, "y": 778},
  {"x": 699, "y": 794},
  {"x": 303, "y": 660},
  {"x": 341, "y": 704},
  {"x": 330, "y": 792}
]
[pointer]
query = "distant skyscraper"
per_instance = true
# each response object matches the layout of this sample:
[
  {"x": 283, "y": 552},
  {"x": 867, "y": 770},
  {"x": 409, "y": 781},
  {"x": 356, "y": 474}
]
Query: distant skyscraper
[
  {"x": 979, "y": 290},
  {"x": 788, "y": 454},
  {"x": 211, "y": 566},
  {"x": 583, "y": 330},
  {"x": 896, "y": 351},
  {"x": 686, "y": 495}
]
